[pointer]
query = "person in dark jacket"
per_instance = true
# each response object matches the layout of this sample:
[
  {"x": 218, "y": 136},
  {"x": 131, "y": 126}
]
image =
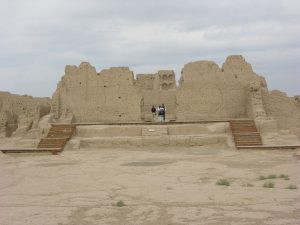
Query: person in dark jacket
[{"x": 153, "y": 110}]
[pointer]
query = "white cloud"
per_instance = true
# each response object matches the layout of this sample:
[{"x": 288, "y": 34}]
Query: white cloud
[{"x": 37, "y": 38}]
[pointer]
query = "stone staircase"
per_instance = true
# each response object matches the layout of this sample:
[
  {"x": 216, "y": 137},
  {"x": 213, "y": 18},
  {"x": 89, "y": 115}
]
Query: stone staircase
[
  {"x": 58, "y": 136},
  {"x": 154, "y": 130},
  {"x": 245, "y": 133},
  {"x": 52, "y": 143},
  {"x": 61, "y": 131}
]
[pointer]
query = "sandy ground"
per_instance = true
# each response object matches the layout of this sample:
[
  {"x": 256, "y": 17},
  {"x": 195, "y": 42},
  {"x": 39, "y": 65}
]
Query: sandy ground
[{"x": 157, "y": 185}]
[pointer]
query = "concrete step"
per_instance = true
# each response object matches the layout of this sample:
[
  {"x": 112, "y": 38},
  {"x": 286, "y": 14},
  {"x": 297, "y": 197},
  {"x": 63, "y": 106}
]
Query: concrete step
[
  {"x": 247, "y": 133},
  {"x": 249, "y": 141},
  {"x": 243, "y": 126},
  {"x": 52, "y": 143},
  {"x": 53, "y": 139},
  {"x": 247, "y": 136},
  {"x": 241, "y": 121},
  {"x": 59, "y": 135},
  {"x": 50, "y": 146},
  {"x": 248, "y": 144},
  {"x": 244, "y": 130}
]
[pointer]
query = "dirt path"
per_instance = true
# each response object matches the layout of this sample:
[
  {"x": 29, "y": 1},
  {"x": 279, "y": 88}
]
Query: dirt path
[{"x": 157, "y": 186}]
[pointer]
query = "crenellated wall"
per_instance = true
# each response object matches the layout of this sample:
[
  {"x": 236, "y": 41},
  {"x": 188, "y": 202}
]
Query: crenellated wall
[
  {"x": 88, "y": 96},
  {"x": 205, "y": 92},
  {"x": 208, "y": 92},
  {"x": 285, "y": 110}
]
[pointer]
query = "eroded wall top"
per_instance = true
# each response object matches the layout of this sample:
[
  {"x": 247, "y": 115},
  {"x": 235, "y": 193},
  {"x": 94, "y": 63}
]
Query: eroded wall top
[
  {"x": 209, "y": 92},
  {"x": 205, "y": 91},
  {"x": 20, "y": 110},
  {"x": 89, "y": 96}
]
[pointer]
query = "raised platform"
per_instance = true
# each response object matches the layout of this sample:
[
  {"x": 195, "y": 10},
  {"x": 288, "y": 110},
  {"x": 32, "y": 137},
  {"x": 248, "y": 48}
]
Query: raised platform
[
  {"x": 151, "y": 141},
  {"x": 143, "y": 134},
  {"x": 181, "y": 134}
]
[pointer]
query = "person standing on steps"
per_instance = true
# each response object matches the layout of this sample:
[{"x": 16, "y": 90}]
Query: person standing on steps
[
  {"x": 153, "y": 110},
  {"x": 164, "y": 112},
  {"x": 160, "y": 114},
  {"x": 157, "y": 111}
]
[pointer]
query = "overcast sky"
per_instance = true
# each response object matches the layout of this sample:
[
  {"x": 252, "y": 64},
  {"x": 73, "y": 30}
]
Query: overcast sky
[{"x": 39, "y": 37}]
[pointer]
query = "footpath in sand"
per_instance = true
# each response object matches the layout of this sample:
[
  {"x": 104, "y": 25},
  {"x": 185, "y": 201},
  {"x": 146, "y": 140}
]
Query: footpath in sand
[{"x": 156, "y": 185}]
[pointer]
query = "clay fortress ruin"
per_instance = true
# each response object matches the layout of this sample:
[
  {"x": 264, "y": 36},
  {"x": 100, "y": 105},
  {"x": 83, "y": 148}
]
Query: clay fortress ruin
[{"x": 112, "y": 108}]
